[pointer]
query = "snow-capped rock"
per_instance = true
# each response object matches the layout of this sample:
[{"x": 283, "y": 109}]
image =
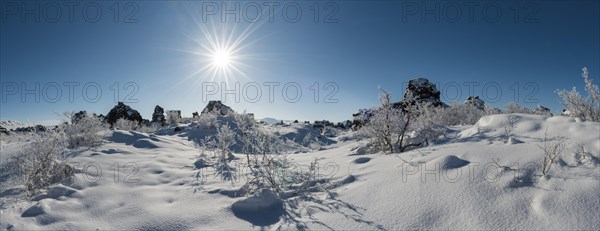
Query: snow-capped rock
[
  {"x": 422, "y": 91},
  {"x": 158, "y": 115},
  {"x": 11, "y": 124},
  {"x": 541, "y": 110},
  {"x": 215, "y": 106},
  {"x": 123, "y": 111},
  {"x": 476, "y": 102}
]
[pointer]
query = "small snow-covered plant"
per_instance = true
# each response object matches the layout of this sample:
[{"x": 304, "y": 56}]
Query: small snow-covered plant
[
  {"x": 173, "y": 117},
  {"x": 582, "y": 155},
  {"x": 208, "y": 120},
  {"x": 126, "y": 125},
  {"x": 246, "y": 124},
  {"x": 389, "y": 125},
  {"x": 224, "y": 170},
  {"x": 83, "y": 129},
  {"x": 149, "y": 128},
  {"x": 265, "y": 143},
  {"x": 225, "y": 139},
  {"x": 551, "y": 147},
  {"x": 280, "y": 174},
  {"x": 513, "y": 107},
  {"x": 457, "y": 114},
  {"x": 509, "y": 126},
  {"x": 587, "y": 108},
  {"x": 39, "y": 164},
  {"x": 427, "y": 124}
]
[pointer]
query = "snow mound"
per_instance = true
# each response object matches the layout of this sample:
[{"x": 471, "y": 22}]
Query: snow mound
[
  {"x": 262, "y": 209},
  {"x": 450, "y": 162},
  {"x": 529, "y": 128},
  {"x": 361, "y": 160},
  {"x": 56, "y": 192},
  {"x": 513, "y": 140}
]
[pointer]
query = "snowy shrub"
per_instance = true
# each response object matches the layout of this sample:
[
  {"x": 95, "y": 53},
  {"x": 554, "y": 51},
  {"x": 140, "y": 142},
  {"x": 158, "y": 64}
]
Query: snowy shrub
[
  {"x": 268, "y": 166},
  {"x": 457, "y": 114},
  {"x": 149, "y": 128},
  {"x": 247, "y": 125},
  {"x": 208, "y": 120},
  {"x": 513, "y": 107},
  {"x": 551, "y": 147},
  {"x": 87, "y": 130},
  {"x": 126, "y": 125},
  {"x": 224, "y": 170},
  {"x": 427, "y": 125},
  {"x": 173, "y": 117},
  {"x": 38, "y": 163},
  {"x": 509, "y": 126},
  {"x": 389, "y": 126},
  {"x": 587, "y": 108},
  {"x": 225, "y": 139},
  {"x": 279, "y": 174}
]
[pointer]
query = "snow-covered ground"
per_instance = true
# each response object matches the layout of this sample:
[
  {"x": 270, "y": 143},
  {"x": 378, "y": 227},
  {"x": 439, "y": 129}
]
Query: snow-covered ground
[{"x": 145, "y": 182}]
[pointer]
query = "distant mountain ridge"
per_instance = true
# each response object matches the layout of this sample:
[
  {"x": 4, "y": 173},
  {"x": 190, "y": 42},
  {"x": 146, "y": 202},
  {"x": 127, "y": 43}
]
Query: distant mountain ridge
[{"x": 12, "y": 124}]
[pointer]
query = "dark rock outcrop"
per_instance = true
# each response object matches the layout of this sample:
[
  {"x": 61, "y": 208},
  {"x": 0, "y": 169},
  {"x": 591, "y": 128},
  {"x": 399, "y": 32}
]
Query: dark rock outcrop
[
  {"x": 420, "y": 90},
  {"x": 362, "y": 117},
  {"x": 123, "y": 111},
  {"x": 159, "y": 115},
  {"x": 36, "y": 128},
  {"x": 344, "y": 125},
  {"x": 541, "y": 110},
  {"x": 475, "y": 101},
  {"x": 3, "y": 130},
  {"x": 78, "y": 117},
  {"x": 216, "y": 107}
]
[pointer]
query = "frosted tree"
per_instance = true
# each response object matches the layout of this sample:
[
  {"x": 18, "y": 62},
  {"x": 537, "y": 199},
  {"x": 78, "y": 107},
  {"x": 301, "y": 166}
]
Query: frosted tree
[
  {"x": 587, "y": 108},
  {"x": 389, "y": 125},
  {"x": 40, "y": 162},
  {"x": 83, "y": 129}
]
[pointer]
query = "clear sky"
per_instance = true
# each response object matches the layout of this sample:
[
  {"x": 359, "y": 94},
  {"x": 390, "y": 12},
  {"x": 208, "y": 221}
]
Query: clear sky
[{"x": 55, "y": 55}]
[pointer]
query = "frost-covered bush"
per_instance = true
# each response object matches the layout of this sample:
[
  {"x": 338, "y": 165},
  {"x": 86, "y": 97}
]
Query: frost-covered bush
[
  {"x": 39, "y": 164},
  {"x": 208, "y": 121},
  {"x": 587, "y": 108},
  {"x": 517, "y": 108},
  {"x": 458, "y": 114},
  {"x": 127, "y": 125},
  {"x": 509, "y": 125},
  {"x": 389, "y": 125},
  {"x": 149, "y": 128},
  {"x": 84, "y": 129},
  {"x": 187, "y": 120},
  {"x": 266, "y": 161},
  {"x": 247, "y": 125},
  {"x": 173, "y": 117},
  {"x": 428, "y": 124},
  {"x": 225, "y": 139},
  {"x": 551, "y": 148}
]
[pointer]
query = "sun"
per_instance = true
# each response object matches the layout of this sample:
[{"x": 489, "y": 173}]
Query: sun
[
  {"x": 221, "y": 58},
  {"x": 221, "y": 52}
]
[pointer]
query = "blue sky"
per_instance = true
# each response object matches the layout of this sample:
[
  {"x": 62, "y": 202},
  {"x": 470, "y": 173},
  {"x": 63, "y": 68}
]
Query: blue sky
[{"x": 149, "y": 53}]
